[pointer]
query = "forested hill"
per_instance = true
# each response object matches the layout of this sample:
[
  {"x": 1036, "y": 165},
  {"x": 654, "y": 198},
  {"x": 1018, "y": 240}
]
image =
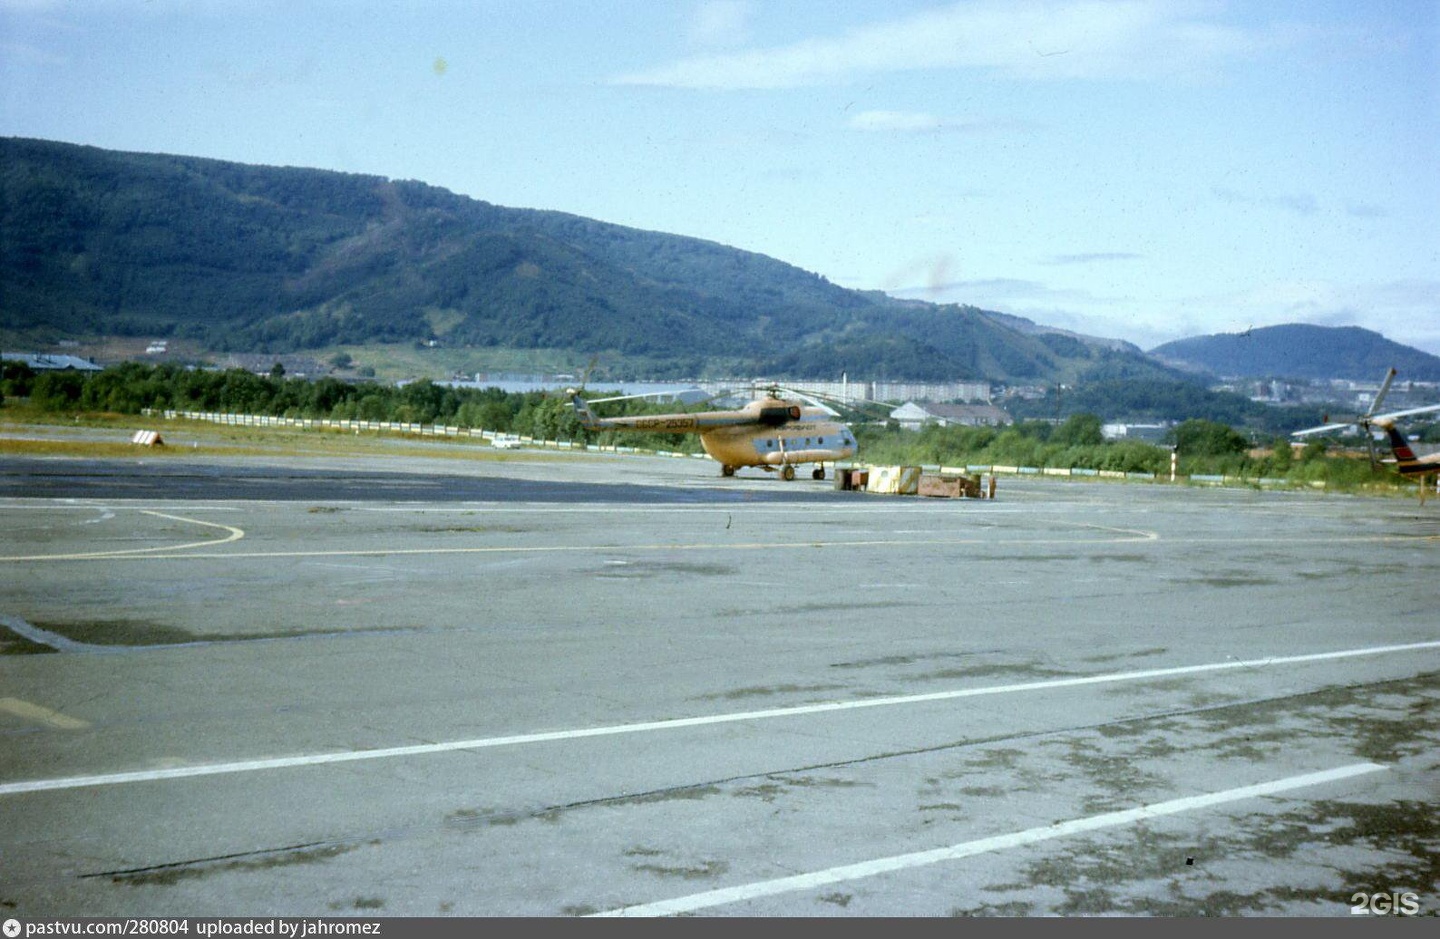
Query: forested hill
[
  {"x": 1301, "y": 351},
  {"x": 263, "y": 259}
]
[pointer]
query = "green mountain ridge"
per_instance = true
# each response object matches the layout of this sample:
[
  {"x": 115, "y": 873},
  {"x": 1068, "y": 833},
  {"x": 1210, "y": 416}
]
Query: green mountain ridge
[
  {"x": 1300, "y": 351},
  {"x": 245, "y": 258}
]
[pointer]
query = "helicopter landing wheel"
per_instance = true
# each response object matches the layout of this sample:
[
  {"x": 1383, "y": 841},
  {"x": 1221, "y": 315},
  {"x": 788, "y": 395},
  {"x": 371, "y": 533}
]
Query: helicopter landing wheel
[
  {"x": 818, "y": 473},
  {"x": 727, "y": 470},
  {"x": 788, "y": 473}
]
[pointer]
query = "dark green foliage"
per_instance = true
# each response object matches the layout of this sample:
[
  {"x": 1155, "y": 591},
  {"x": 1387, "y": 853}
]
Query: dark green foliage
[
  {"x": 16, "y": 379},
  {"x": 1152, "y": 400},
  {"x": 57, "y": 391},
  {"x": 1079, "y": 430},
  {"x": 1025, "y": 444},
  {"x": 1199, "y": 437},
  {"x": 1283, "y": 455},
  {"x": 1037, "y": 444},
  {"x": 133, "y": 387}
]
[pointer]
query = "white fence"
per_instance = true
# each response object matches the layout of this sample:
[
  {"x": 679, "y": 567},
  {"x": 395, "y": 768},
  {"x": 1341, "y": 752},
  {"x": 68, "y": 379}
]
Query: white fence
[
  {"x": 438, "y": 430},
  {"x": 394, "y": 427},
  {"x": 262, "y": 420}
]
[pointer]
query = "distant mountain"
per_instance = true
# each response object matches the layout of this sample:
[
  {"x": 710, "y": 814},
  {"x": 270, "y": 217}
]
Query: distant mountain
[
  {"x": 241, "y": 258},
  {"x": 1300, "y": 351}
]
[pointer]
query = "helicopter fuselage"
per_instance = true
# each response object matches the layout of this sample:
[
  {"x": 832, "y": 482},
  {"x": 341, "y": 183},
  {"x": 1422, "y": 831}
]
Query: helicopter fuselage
[
  {"x": 791, "y": 444},
  {"x": 769, "y": 433}
]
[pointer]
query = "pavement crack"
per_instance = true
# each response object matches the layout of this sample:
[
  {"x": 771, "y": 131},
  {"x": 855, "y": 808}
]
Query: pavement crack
[{"x": 175, "y": 871}]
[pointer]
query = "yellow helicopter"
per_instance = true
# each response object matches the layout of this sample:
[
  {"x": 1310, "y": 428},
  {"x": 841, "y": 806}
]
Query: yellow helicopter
[{"x": 771, "y": 432}]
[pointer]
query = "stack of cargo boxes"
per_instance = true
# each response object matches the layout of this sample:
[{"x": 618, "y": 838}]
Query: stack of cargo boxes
[{"x": 913, "y": 481}]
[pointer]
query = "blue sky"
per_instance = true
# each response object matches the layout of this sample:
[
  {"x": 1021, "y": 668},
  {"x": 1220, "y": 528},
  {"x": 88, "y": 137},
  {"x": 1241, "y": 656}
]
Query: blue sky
[{"x": 1143, "y": 170}]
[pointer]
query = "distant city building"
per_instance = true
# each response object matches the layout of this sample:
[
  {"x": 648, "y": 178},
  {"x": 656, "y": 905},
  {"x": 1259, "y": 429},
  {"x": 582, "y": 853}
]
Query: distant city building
[
  {"x": 1150, "y": 433},
  {"x": 858, "y": 391},
  {"x": 291, "y": 366},
  {"x": 970, "y": 392},
  {"x": 521, "y": 383},
  {"x": 913, "y": 416},
  {"x": 51, "y": 363},
  {"x": 1273, "y": 392}
]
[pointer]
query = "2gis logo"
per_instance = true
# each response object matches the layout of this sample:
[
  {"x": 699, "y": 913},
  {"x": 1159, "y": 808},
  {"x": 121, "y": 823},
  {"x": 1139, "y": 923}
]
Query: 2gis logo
[{"x": 1393, "y": 903}]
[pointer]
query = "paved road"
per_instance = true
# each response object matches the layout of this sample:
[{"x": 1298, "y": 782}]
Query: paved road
[
  {"x": 588, "y": 686},
  {"x": 349, "y": 480}
]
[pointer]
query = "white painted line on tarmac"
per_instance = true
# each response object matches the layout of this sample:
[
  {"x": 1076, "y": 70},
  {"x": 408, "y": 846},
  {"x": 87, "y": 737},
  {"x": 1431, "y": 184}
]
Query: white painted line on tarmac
[
  {"x": 139, "y": 506},
  {"x": 235, "y": 534},
  {"x": 481, "y": 743},
  {"x": 684, "y": 508},
  {"x": 1116, "y": 536},
  {"x": 900, "y": 862}
]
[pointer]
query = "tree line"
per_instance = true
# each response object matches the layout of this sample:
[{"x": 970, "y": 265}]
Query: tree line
[
  {"x": 1203, "y": 446},
  {"x": 133, "y": 387}
]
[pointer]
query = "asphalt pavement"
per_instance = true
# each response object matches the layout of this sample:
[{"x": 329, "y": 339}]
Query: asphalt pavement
[{"x": 601, "y": 685}]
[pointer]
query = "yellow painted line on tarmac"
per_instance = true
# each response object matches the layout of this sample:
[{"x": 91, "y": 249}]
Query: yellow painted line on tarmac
[
  {"x": 41, "y": 715},
  {"x": 235, "y": 534}
]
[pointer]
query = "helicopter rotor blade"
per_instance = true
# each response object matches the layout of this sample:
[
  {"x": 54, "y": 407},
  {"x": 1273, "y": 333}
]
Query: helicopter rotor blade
[
  {"x": 1329, "y": 427},
  {"x": 851, "y": 403},
  {"x": 1380, "y": 395},
  {"x": 1364, "y": 422},
  {"x": 1393, "y": 415},
  {"x": 684, "y": 396}
]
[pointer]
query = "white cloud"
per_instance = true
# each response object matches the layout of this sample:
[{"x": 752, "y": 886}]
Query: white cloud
[
  {"x": 32, "y": 56},
  {"x": 1093, "y": 257},
  {"x": 718, "y": 23},
  {"x": 920, "y": 122},
  {"x": 1298, "y": 203},
  {"x": 1003, "y": 294},
  {"x": 1044, "y": 39},
  {"x": 1366, "y": 210},
  {"x": 908, "y": 121}
]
